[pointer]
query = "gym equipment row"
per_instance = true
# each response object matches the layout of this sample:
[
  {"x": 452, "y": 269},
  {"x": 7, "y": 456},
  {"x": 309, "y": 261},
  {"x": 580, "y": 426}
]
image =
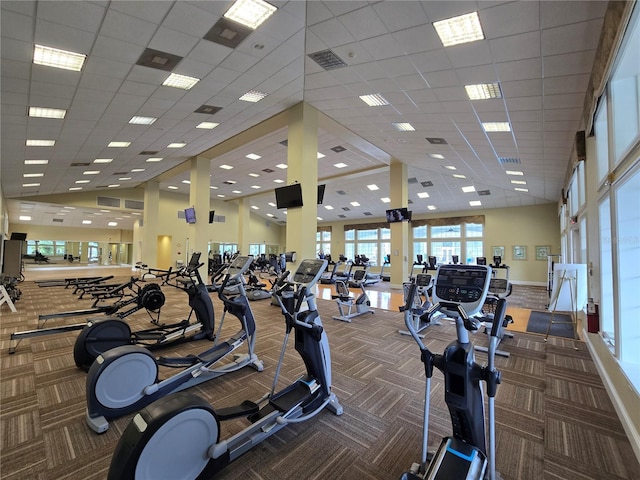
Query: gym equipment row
[
  {"x": 347, "y": 302},
  {"x": 178, "y": 436}
]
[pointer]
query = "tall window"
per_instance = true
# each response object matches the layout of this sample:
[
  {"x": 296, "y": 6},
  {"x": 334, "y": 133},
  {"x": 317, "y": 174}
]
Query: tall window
[
  {"x": 420, "y": 241},
  {"x": 323, "y": 242},
  {"x": 464, "y": 241}
]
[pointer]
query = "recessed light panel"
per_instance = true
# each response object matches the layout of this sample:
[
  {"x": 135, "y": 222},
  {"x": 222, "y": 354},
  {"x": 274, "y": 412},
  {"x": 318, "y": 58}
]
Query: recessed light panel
[
  {"x": 282, "y": 165},
  {"x": 385, "y": 200},
  {"x": 518, "y": 182},
  {"x": 496, "y": 126},
  {"x": 355, "y": 204},
  {"x": 91, "y": 172},
  {"x": 253, "y": 156},
  {"x": 461, "y": 29},
  {"x": 423, "y": 195},
  {"x": 36, "y": 162},
  {"x": 112, "y": 224},
  {"x": 431, "y": 207},
  {"x": 517, "y": 189},
  {"x": 180, "y": 81},
  {"x": 207, "y": 125},
  {"x": 86, "y": 222},
  {"x": 403, "y": 127},
  {"x": 119, "y": 144},
  {"x": 27, "y": 185},
  {"x": 154, "y": 159},
  {"x": 340, "y": 165},
  {"x": 172, "y": 187},
  {"x": 374, "y": 100},
  {"x": 250, "y": 13},
  {"x": 226, "y": 167},
  {"x": 40, "y": 143},
  {"x": 483, "y": 91},
  {"x": 253, "y": 96},
  {"x": 53, "y": 57},
  {"x": 24, "y": 218},
  {"x": 42, "y": 112},
  {"x": 373, "y": 187},
  {"x": 439, "y": 156},
  {"x": 103, "y": 160},
  {"x": 475, "y": 203},
  {"x": 32, "y": 175},
  {"x": 514, "y": 172},
  {"x": 176, "y": 145},
  {"x": 469, "y": 189},
  {"x": 138, "y": 120}
]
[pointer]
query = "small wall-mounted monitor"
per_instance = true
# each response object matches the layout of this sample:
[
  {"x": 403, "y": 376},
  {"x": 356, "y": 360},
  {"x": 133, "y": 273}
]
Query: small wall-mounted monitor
[
  {"x": 397, "y": 215},
  {"x": 190, "y": 215},
  {"x": 321, "y": 189},
  {"x": 289, "y": 196}
]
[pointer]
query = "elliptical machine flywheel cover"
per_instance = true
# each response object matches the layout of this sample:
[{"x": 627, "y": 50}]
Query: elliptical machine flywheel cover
[
  {"x": 151, "y": 297},
  {"x": 98, "y": 337}
]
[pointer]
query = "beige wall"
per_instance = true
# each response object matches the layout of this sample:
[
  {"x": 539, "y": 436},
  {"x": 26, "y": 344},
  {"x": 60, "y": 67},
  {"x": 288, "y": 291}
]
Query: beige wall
[
  {"x": 73, "y": 234},
  {"x": 529, "y": 226}
]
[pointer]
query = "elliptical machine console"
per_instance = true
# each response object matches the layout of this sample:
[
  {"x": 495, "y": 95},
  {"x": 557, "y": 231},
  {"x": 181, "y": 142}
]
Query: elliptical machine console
[
  {"x": 178, "y": 436},
  {"x": 460, "y": 292}
]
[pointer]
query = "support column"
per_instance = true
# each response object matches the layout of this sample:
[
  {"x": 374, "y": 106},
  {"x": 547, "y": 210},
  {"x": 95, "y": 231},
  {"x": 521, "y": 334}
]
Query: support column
[
  {"x": 244, "y": 217},
  {"x": 399, "y": 189},
  {"x": 302, "y": 161},
  {"x": 150, "y": 222},
  {"x": 199, "y": 197}
]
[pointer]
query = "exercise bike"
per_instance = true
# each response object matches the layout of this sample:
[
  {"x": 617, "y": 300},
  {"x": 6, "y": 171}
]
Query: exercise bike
[
  {"x": 101, "y": 335},
  {"x": 125, "y": 379},
  {"x": 178, "y": 436},
  {"x": 344, "y": 299},
  {"x": 460, "y": 292}
]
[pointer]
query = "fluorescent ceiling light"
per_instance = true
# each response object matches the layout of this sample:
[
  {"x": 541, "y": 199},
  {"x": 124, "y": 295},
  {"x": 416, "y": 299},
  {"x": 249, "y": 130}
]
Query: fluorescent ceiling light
[
  {"x": 355, "y": 204},
  {"x": 254, "y": 175},
  {"x": 172, "y": 187},
  {"x": 277, "y": 180},
  {"x": 403, "y": 127},
  {"x": 91, "y": 172},
  {"x": 431, "y": 207},
  {"x": 154, "y": 159},
  {"x": 124, "y": 179},
  {"x": 236, "y": 191},
  {"x": 373, "y": 187},
  {"x": 319, "y": 218},
  {"x": 517, "y": 189},
  {"x": 270, "y": 215},
  {"x": 514, "y": 172},
  {"x": 231, "y": 182},
  {"x": 119, "y": 144},
  {"x": 253, "y": 156},
  {"x": 207, "y": 125},
  {"x": 475, "y": 203},
  {"x": 26, "y": 185},
  {"x": 176, "y": 145},
  {"x": 469, "y": 189},
  {"x": 75, "y": 188},
  {"x": 328, "y": 207},
  {"x": 69, "y": 208},
  {"x": 226, "y": 167},
  {"x": 423, "y": 195},
  {"x": 461, "y": 29},
  {"x": 321, "y": 155},
  {"x": 188, "y": 182},
  {"x": 374, "y": 100},
  {"x": 271, "y": 204},
  {"x": 439, "y": 156},
  {"x": 256, "y": 187},
  {"x": 112, "y": 224},
  {"x": 40, "y": 143},
  {"x": 138, "y": 120},
  {"x": 136, "y": 170},
  {"x": 385, "y": 200},
  {"x": 86, "y": 222},
  {"x": 449, "y": 167},
  {"x": 103, "y": 160},
  {"x": 253, "y": 96},
  {"x": 24, "y": 218},
  {"x": 255, "y": 207},
  {"x": 105, "y": 211},
  {"x": 53, "y": 57},
  {"x": 32, "y": 175},
  {"x": 282, "y": 165},
  {"x": 250, "y": 13},
  {"x": 82, "y": 181},
  {"x": 518, "y": 182},
  {"x": 43, "y": 112},
  {"x": 483, "y": 91},
  {"x": 458, "y": 175},
  {"x": 36, "y": 162},
  {"x": 220, "y": 195},
  {"x": 180, "y": 81},
  {"x": 212, "y": 187},
  {"x": 340, "y": 165},
  {"x": 496, "y": 126}
]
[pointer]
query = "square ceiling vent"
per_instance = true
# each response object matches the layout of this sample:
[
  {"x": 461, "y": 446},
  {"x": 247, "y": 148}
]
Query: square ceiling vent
[
  {"x": 228, "y": 33},
  {"x": 208, "y": 109},
  {"x": 159, "y": 60},
  {"x": 327, "y": 59}
]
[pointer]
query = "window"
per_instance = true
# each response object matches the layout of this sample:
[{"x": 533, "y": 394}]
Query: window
[
  {"x": 444, "y": 251},
  {"x": 448, "y": 231},
  {"x": 367, "y": 242},
  {"x": 323, "y": 242}
]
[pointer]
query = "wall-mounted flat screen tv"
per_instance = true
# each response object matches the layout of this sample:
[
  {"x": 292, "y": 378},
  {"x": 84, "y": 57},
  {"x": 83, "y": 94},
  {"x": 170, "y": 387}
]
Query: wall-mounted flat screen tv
[
  {"x": 397, "y": 215},
  {"x": 190, "y": 215},
  {"x": 321, "y": 194},
  {"x": 289, "y": 196},
  {"x": 212, "y": 215}
]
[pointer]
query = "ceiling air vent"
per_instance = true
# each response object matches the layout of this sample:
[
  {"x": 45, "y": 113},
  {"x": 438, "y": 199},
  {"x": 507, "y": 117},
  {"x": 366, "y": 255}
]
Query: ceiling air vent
[
  {"x": 134, "y": 204},
  {"x": 483, "y": 193},
  {"x": 508, "y": 160},
  {"x": 208, "y": 109},
  {"x": 346, "y": 209},
  {"x": 108, "y": 202},
  {"x": 80, "y": 164},
  {"x": 327, "y": 59},
  {"x": 157, "y": 59},
  {"x": 412, "y": 180},
  {"x": 436, "y": 141},
  {"x": 410, "y": 201},
  {"x": 148, "y": 152},
  {"x": 428, "y": 183},
  {"x": 368, "y": 214},
  {"x": 338, "y": 149},
  {"x": 341, "y": 192},
  {"x": 284, "y": 142},
  {"x": 342, "y": 216},
  {"x": 267, "y": 170},
  {"x": 228, "y": 33},
  {"x": 58, "y": 220}
]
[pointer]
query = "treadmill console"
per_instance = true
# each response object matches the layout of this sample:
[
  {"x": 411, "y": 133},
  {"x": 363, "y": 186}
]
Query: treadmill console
[
  {"x": 309, "y": 271},
  {"x": 466, "y": 285}
]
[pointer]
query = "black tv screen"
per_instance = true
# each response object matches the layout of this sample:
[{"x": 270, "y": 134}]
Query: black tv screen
[
  {"x": 321, "y": 194},
  {"x": 397, "y": 215},
  {"x": 289, "y": 196},
  {"x": 190, "y": 215},
  {"x": 212, "y": 214},
  {"x": 18, "y": 236}
]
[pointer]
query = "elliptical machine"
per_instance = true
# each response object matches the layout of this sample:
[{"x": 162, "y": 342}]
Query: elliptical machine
[
  {"x": 125, "y": 379},
  {"x": 344, "y": 299},
  {"x": 421, "y": 316},
  {"x": 178, "y": 436},
  {"x": 101, "y": 335},
  {"x": 460, "y": 292}
]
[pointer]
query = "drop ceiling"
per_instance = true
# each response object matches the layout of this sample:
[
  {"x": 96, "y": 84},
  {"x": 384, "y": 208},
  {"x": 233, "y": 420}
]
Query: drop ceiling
[{"x": 540, "y": 53}]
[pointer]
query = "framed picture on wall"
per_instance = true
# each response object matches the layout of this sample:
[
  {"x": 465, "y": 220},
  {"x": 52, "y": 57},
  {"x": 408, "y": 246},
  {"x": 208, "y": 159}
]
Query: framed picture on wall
[
  {"x": 542, "y": 252},
  {"x": 519, "y": 252},
  {"x": 497, "y": 251}
]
